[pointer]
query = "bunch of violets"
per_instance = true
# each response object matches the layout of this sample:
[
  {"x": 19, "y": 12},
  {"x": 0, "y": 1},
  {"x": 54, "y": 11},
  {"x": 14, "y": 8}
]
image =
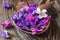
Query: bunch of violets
[{"x": 28, "y": 19}]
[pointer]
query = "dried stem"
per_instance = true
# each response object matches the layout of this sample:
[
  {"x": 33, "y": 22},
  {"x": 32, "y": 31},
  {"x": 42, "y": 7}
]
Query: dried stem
[{"x": 27, "y": 2}]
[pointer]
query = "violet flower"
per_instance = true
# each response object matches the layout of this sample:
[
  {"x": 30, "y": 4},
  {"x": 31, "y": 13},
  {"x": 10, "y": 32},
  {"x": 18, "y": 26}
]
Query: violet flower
[
  {"x": 32, "y": 19},
  {"x": 3, "y": 25},
  {"x": 5, "y": 34},
  {"x": 37, "y": 29},
  {"x": 7, "y": 24},
  {"x": 26, "y": 8},
  {"x": 19, "y": 23},
  {"x": 22, "y": 25},
  {"x": 33, "y": 5},
  {"x": 25, "y": 14},
  {"x": 33, "y": 22},
  {"x": 22, "y": 9},
  {"x": 34, "y": 31},
  {"x": 29, "y": 17},
  {"x": 42, "y": 22},
  {"x": 20, "y": 14},
  {"x": 28, "y": 23},
  {"x": 22, "y": 0},
  {"x": 15, "y": 17},
  {"x": 31, "y": 9},
  {"x": 44, "y": 26},
  {"x": 45, "y": 20},
  {"x": 7, "y": 5}
]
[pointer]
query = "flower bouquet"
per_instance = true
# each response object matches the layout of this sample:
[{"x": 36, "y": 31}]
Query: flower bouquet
[{"x": 31, "y": 19}]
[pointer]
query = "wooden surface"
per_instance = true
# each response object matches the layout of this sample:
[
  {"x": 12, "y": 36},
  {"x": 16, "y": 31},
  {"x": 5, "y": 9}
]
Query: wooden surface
[{"x": 51, "y": 34}]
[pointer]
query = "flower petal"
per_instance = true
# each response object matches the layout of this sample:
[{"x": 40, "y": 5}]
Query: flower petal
[
  {"x": 32, "y": 29},
  {"x": 20, "y": 14},
  {"x": 43, "y": 16},
  {"x": 44, "y": 11},
  {"x": 34, "y": 32},
  {"x": 40, "y": 30},
  {"x": 7, "y": 22},
  {"x": 38, "y": 10},
  {"x": 3, "y": 25},
  {"x": 26, "y": 8}
]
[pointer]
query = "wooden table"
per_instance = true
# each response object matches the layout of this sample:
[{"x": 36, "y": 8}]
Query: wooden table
[{"x": 51, "y": 34}]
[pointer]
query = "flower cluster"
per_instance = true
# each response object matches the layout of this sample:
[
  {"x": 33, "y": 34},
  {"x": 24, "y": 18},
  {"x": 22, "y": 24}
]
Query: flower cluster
[
  {"x": 7, "y": 24},
  {"x": 31, "y": 18}
]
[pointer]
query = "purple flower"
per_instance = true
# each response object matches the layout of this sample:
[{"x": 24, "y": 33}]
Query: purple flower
[
  {"x": 8, "y": 22},
  {"x": 27, "y": 23},
  {"x": 44, "y": 26},
  {"x": 16, "y": 17},
  {"x": 29, "y": 17},
  {"x": 32, "y": 19},
  {"x": 25, "y": 14},
  {"x": 3, "y": 25},
  {"x": 22, "y": 0},
  {"x": 31, "y": 9},
  {"x": 22, "y": 9},
  {"x": 24, "y": 27},
  {"x": 33, "y": 22},
  {"x": 7, "y": 5},
  {"x": 45, "y": 20},
  {"x": 5, "y": 34},
  {"x": 42, "y": 22},
  {"x": 26, "y": 8},
  {"x": 37, "y": 29},
  {"x": 19, "y": 23},
  {"x": 20, "y": 14},
  {"x": 34, "y": 31},
  {"x": 33, "y": 5}
]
